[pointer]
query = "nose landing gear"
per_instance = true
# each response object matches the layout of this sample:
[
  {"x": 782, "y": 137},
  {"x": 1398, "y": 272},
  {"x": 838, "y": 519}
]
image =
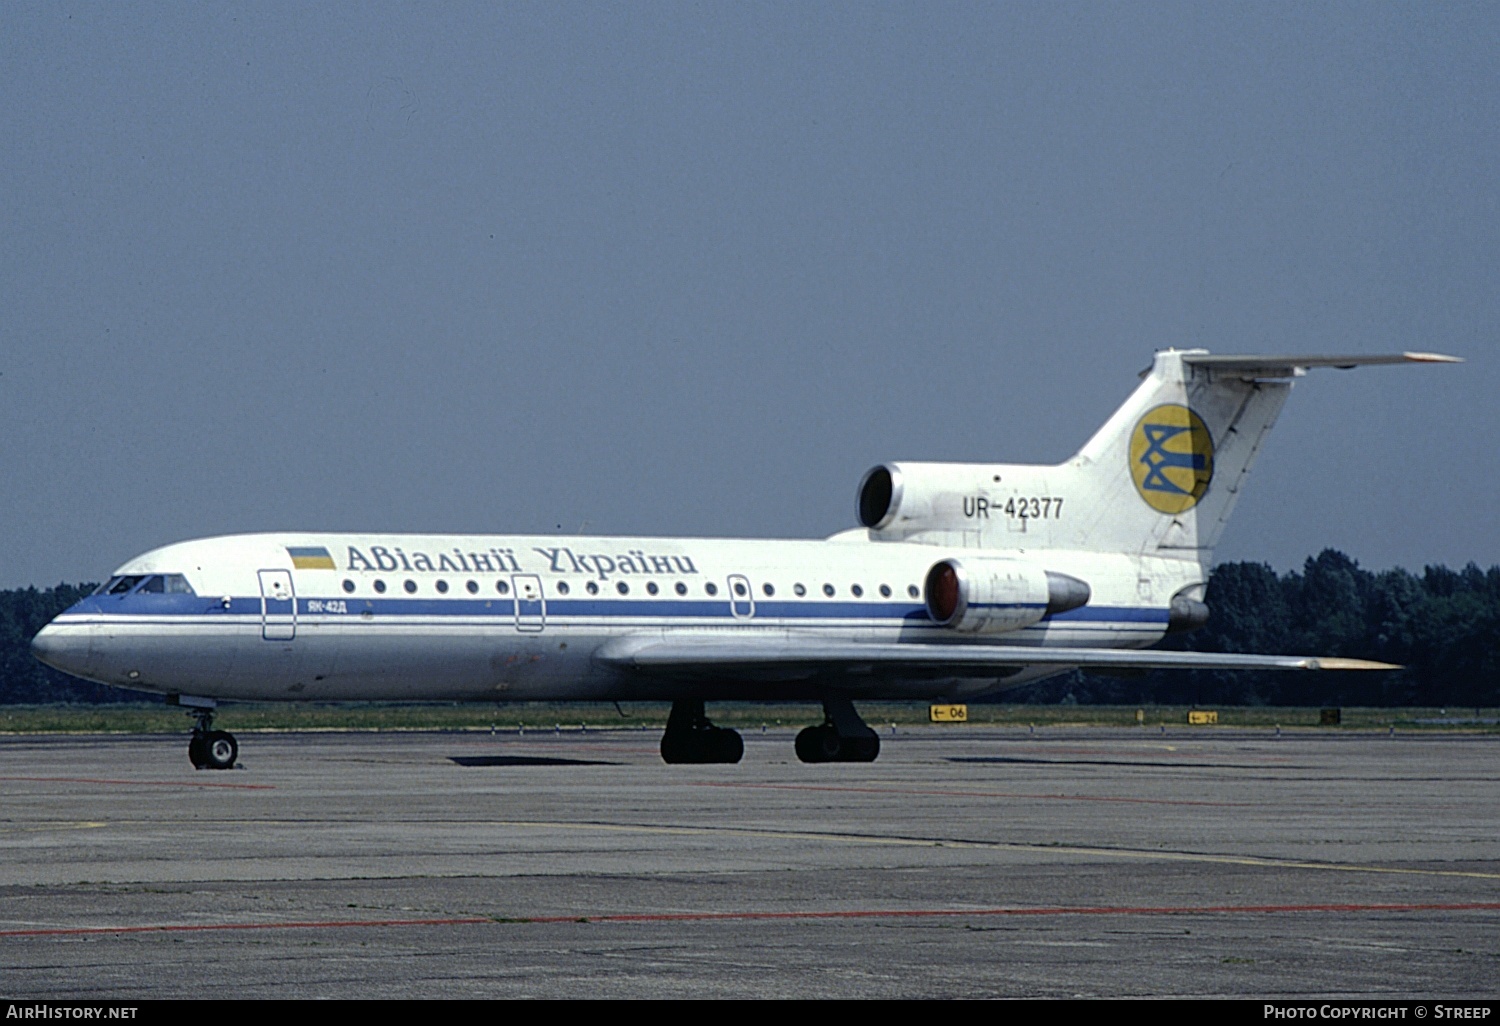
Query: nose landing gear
[
  {"x": 213, "y": 749},
  {"x": 209, "y": 748}
]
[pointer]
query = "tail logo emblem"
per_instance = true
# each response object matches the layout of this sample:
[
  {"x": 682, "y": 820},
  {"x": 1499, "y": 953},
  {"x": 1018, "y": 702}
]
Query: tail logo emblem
[{"x": 1171, "y": 458}]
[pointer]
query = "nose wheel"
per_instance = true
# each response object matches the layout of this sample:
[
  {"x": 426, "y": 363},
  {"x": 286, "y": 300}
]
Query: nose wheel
[
  {"x": 209, "y": 748},
  {"x": 213, "y": 749}
]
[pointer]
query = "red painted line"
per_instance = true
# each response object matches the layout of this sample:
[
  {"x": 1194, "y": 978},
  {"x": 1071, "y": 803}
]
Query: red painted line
[
  {"x": 970, "y": 794},
  {"x": 712, "y": 917},
  {"x": 140, "y": 783}
]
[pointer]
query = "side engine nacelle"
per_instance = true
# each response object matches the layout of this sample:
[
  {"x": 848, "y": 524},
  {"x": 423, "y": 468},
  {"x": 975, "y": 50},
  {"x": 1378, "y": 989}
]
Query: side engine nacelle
[{"x": 990, "y": 596}]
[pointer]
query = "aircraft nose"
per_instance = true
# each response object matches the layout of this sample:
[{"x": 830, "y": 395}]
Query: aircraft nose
[{"x": 63, "y": 648}]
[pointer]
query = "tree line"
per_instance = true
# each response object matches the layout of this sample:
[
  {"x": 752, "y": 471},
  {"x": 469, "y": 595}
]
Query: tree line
[
  {"x": 23, "y": 612},
  {"x": 1442, "y": 626}
]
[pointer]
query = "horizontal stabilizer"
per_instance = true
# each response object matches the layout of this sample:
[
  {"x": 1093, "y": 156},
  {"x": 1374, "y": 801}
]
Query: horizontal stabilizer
[
  {"x": 1293, "y": 366},
  {"x": 720, "y": 653}
]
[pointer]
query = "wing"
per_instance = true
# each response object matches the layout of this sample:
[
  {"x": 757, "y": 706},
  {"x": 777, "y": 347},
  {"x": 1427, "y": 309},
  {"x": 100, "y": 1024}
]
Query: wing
[{"x": 717, "y": 654}]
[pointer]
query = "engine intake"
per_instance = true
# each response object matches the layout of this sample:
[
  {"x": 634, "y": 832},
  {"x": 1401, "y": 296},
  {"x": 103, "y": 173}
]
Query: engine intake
[
  {"x": 903, "y": 500},
  {"x": 879, "y": 496},
  {"x": 996, "y": 595}
]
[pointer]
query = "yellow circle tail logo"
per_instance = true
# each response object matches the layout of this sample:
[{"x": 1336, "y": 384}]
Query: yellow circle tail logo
[{"x": 1171, "y": 458}]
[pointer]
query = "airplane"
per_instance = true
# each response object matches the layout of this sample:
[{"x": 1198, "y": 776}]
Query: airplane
[{"x": 962, "y": 580}]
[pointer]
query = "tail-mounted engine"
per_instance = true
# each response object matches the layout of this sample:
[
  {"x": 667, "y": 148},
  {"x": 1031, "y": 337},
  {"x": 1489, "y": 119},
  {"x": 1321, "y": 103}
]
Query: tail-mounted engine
[
  {"x": 944, "y": 503},
  {"x": 990, "y": 596},
  {"x": 900, "y": 498}
]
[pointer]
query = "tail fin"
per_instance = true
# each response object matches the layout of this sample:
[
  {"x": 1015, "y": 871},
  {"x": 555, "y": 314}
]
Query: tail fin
[
  {"x": 1163, "y": 474},
  {"x": 1160, "y": 478}
]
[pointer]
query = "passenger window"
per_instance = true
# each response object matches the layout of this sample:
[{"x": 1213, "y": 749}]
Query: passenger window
[
  {"x": 411, "y": 587},
  {"x": 472, "y": 587},
  {"x": 502, "y": 587},
  {"x": 911, "y": 589},
  {"x": 442, "y": 587},
  {"x": 858, "y": 591},
  {"x": 828, "y": 590},
  {"x": 681, "y": 588},
  {"x": 800, "y": 589},
  {"x": 739, "y": 589},
  {"x": 768, "y": 589},
  {"x": 622, "y": 588},
  {"x": 562, "y": 587},
  {"x": 885, "y": 591},
  {"x": 593, "y": 588},
  {"x": 711, "y": 588},
  {"x": 380, "y": 587},
  {"x": 651, "y": 588}
]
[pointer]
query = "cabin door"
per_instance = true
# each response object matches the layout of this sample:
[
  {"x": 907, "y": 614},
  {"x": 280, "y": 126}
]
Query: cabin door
[
  {"x": 741, "y": 598},
  {"x": 531, "y": 604},
  {"x": 278, "y": 606}
]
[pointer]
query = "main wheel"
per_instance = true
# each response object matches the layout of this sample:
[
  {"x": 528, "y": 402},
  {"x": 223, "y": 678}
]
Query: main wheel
[
  {"x": 677, "y": 749},
  {"x": 219, "y": 750},
  {"x": 197, "y": 754},
  {"x": 728, "y": 745},
  {"x": 818, "y": 744},
  {"x": 699, "y": 747},
  {"x": 860, "y": 749},
  {"x": 690, "y": 747}
]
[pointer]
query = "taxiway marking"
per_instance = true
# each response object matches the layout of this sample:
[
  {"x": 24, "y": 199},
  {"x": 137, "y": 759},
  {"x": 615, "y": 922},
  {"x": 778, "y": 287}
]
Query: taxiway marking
[
  {"x": 1063, "y": 849},
  {"x": 712, "y": 917},
  {"x": 139, "y": 783},
  {"x": 969, "y": 794}
]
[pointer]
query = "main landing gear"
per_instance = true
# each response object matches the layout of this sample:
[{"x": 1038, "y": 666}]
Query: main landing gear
[
  {"x": 209, "y": 748},
  {"x": 841, "y": 737},
  {"x": 690, "y": 738}
]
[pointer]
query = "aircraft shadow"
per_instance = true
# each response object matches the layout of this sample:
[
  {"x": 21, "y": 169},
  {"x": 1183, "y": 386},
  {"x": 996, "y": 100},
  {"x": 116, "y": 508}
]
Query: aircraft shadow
[{"x": 524, "y": 760}]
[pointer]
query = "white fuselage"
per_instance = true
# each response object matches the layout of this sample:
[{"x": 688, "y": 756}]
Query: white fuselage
[
  {"x": 508, "y": 618},
  {"x": 966, "y": 579}
]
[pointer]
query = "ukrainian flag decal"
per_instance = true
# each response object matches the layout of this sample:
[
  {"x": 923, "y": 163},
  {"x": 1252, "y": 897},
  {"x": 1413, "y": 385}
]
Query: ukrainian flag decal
[
  {"x": 311, "y": 557},
  {"x": 1171, "y": 458}
]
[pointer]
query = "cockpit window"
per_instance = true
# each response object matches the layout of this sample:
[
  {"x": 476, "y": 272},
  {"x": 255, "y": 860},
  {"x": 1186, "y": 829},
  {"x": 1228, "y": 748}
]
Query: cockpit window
[{"x": 154, "y": 584}]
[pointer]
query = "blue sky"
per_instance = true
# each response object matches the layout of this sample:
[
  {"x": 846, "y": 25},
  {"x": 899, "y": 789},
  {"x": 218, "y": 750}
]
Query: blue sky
[{"x": 693, "y": 268}]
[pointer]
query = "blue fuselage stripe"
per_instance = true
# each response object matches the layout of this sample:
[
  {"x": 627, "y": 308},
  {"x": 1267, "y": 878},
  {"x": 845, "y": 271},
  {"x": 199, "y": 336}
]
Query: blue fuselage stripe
[{"x": 595, "y": 608}]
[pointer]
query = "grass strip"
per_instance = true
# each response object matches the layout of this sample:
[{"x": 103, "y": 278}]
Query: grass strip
[{"x": 157, "y": 718}]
